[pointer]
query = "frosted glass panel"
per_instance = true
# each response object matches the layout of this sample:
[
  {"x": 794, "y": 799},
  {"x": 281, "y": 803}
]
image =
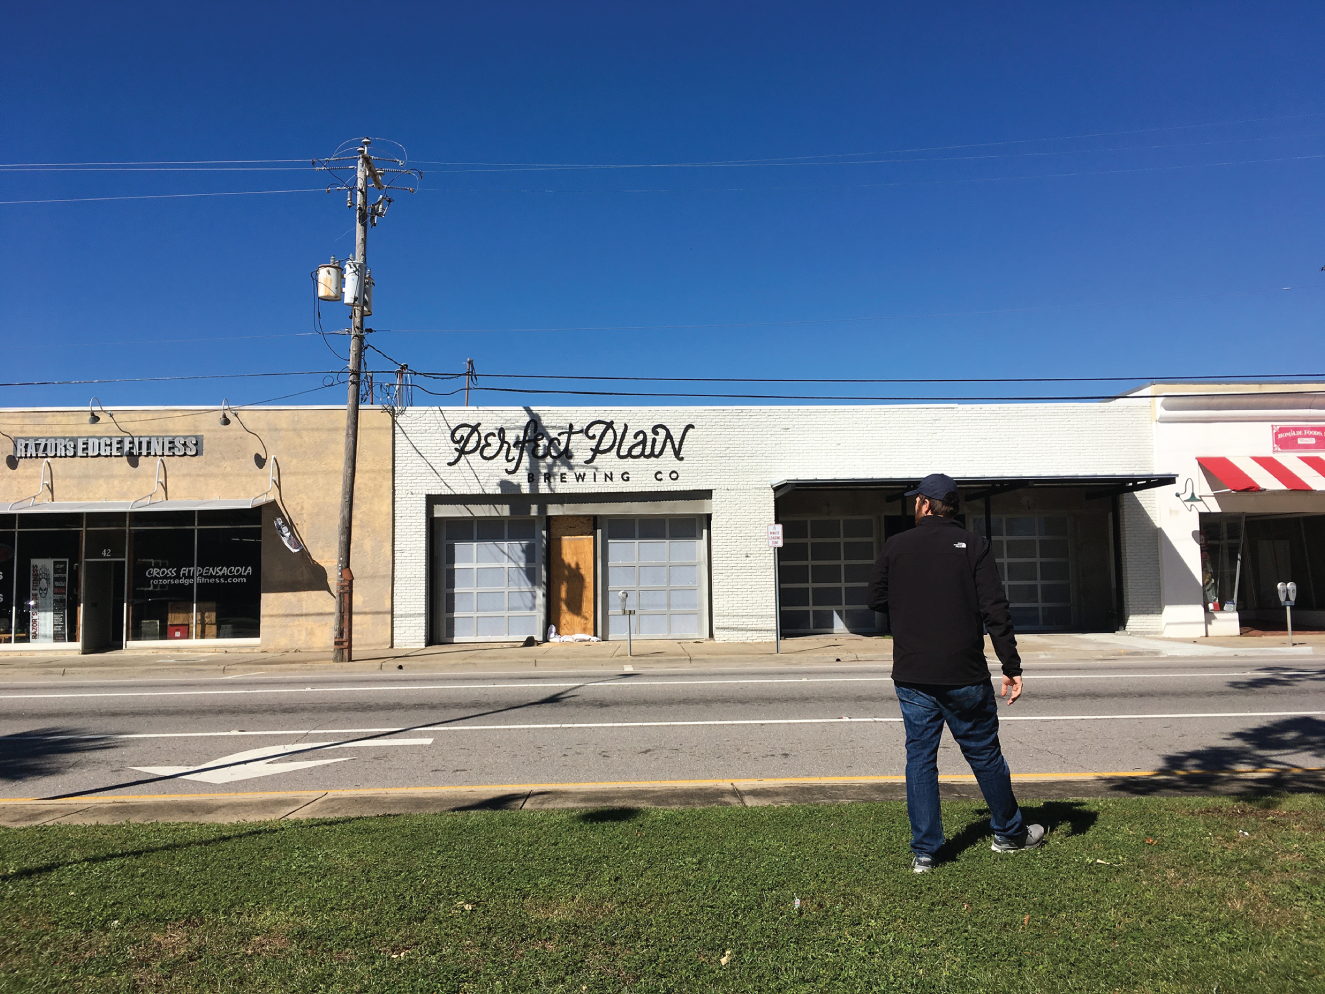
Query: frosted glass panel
[
  {"x": 498, "y": 597},
  {"x": 664, "y": 588},
  {"x": 838, "y": 607}
]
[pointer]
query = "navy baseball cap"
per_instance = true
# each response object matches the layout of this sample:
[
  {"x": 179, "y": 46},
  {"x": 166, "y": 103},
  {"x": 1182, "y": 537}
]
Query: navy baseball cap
[{"x": 936, "y": 486}]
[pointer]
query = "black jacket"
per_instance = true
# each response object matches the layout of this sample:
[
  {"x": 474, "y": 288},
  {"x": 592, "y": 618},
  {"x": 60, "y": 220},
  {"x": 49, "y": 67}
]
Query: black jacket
[{"x": 938, "y": 583}]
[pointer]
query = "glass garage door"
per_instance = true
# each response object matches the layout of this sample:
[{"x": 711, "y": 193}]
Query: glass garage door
[
  {"x": 1034, "y": 560},
  {"x": 657, "y": 561},
  {"x": 491, "y": 578},
  {"x": 823, "y": 576}
]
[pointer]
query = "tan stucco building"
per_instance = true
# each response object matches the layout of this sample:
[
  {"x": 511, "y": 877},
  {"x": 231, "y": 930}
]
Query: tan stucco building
[{"x": 190, "y": 525}]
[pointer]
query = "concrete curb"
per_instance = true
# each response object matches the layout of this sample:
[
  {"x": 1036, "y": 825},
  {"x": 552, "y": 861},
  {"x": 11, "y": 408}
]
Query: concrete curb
[{"x": 751, "y": 793}]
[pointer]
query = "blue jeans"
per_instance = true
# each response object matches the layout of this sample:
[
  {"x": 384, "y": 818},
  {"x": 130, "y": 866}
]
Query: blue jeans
[{"x": 971, "y": 713}]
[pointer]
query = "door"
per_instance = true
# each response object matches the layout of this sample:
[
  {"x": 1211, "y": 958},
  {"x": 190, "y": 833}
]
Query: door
[
  {"x": 103, "y": 605},
  {"x": 823, "y": 573},
  {"x": 659, "y": 563},
  {"x": 1034, "y": 556},
  {"x": 490, "y": 578},
  {"x": 572, "y": 570}
]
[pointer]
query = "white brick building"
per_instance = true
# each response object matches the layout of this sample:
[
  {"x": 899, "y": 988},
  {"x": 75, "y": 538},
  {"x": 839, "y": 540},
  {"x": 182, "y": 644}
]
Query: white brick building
[{"x": 672, "y": 505}]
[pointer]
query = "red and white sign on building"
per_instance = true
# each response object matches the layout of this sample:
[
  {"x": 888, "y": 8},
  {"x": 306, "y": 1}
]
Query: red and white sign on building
[{"x": 1299, "y": 438}]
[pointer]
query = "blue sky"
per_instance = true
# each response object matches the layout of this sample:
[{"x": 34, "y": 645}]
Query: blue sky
[{"x": 1009, "y": 247}]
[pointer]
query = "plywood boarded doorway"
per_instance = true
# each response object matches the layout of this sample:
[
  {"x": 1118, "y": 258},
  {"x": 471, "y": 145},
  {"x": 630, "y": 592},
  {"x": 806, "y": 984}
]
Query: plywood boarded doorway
[{"x": 572, "y": 571}]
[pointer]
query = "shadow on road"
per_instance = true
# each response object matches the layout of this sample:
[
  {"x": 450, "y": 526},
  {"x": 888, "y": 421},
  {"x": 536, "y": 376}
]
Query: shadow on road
[
  {"x": 1279, "y": 676},
  {"x": 1277, "y": 756},
  {"x": 42, "y": 752},
  {"x": 553, "y": 698}
]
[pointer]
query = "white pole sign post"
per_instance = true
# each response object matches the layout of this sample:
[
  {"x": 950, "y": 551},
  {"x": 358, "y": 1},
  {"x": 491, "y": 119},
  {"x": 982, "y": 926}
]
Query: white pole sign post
[
  {"x": 1288, "y": 597},
  {"x": 775, "y": 543}
]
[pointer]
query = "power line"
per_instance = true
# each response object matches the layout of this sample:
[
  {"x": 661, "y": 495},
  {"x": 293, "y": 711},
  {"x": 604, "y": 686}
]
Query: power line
[
  {"x": 883, "y": 185},
  {"x": 154, "y": 169},
  {"x": 807, "y": 161},
  {"x": 161, "y": 341},
  {"x": 1229, "y": 378},
  {"x": 147, "y": 162},
  {"x": 159, "y": 196},
  {"x": 899, "y": 151},
  {"x": 931, "y": 400},
  {"x": 166, "y": 379},
  {"x": 847, "y": 320}
]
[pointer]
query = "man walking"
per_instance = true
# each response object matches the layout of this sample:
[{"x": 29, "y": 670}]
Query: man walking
[{"x": 939, "y": 585}]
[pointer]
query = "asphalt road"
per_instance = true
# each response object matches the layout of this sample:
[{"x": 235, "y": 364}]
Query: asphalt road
[{"x": 380, "y": 730}]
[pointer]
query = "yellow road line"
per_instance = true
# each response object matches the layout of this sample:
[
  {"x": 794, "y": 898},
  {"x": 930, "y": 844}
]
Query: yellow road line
[{"x": 592, "y": 784}]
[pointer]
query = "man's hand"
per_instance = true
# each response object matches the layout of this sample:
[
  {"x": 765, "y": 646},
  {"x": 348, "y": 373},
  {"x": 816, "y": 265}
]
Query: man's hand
[{"x": 1012, "y": 683}]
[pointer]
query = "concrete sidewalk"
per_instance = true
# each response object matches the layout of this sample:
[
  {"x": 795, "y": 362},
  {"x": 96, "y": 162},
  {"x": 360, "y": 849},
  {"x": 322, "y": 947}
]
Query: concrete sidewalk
[
  {"x": 160, "y": 662},
  {"x": 259, "y": 806}
]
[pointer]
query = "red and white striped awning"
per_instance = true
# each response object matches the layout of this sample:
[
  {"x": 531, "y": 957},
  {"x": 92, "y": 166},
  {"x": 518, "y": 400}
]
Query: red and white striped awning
[{"x": 1253, "y": 474}]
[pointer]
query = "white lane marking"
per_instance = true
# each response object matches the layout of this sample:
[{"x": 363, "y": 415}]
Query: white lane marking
[
  {"x": 535, "y": 685},
  {"x": 234, "y": 675},
  {"x": 661, "y": 724},
  {"x": 258, "y": 762}
]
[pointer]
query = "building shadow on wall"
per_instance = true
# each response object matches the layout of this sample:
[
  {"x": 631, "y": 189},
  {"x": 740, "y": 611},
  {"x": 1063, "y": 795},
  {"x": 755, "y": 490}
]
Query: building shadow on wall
[
  {"x": 285, "y": 572},
  {"x": 1283, "y": 755}
]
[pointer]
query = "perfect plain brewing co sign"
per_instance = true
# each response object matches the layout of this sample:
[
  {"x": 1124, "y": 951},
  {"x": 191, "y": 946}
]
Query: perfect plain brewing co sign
[
  {"x": 1299, "y": 438},
  {"x": 85, "y": 446}
]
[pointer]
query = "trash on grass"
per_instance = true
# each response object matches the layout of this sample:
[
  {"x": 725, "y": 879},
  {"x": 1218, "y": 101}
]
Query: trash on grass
[
  {"x": 726, "y": 958},
  {"x": 796, "y": 904}
]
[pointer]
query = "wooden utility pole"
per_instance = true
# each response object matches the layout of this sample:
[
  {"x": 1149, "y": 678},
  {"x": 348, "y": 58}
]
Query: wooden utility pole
[
  {"x": 343, "y": 650},
  {"x": 385, "y": 174}
]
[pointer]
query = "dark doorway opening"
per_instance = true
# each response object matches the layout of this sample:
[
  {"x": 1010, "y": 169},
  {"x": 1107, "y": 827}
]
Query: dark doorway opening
[{"x": 103, "y": 605}]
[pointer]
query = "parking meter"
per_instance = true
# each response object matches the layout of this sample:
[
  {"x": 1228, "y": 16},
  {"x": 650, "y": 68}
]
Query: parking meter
[
  {"x": 1288, "y": 597},
  {"x": 627, "y": 612}
]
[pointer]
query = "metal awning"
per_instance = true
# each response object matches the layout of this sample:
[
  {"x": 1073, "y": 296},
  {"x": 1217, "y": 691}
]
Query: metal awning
[
  {"x": 112, "y": 506},
  {"x": 1257, "y": 474},
  {"x": 1100, "y": 486}
]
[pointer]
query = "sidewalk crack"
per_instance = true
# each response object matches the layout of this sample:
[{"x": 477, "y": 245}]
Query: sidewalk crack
[
  {"x": 739, "y": 796},
  {"x": 525, "y": 800}
]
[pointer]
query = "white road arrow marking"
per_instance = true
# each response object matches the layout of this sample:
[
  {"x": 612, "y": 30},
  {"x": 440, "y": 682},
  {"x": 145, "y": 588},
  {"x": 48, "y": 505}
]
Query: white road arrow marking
[{"x": 259, "y": 762}]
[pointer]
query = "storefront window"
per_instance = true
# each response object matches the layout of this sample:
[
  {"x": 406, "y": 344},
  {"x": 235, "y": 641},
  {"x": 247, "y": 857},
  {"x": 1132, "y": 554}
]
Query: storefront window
[
  {"x": 162, "y": 584},
  {"x": 196, "y": 581},
  {"x": 46, "y": 567},
  {"x": 1221, "y": 560},
  {"x": 7, "y": 540},
  {"x": 191, "y": 575},
  {"x": 1278, "y": 549},
  {"x": 228, "y": 582}
]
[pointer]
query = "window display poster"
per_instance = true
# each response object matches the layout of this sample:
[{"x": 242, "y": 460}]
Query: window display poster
[{"x": 49, "y": 601}]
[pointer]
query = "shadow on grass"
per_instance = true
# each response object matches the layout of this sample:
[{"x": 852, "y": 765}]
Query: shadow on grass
[
  {"x": 502, "y": 802},
  {"x": 605, "y": 816},
  {"x": 1250, "y": 761},
  {"x": 42, "y": 752},
  {"x": 215, "y": 840},
  {"x": 1053, "y": 815}
]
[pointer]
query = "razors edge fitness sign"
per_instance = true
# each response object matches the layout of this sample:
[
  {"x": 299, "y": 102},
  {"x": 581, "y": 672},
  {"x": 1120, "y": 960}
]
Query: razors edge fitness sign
[{"x": 85, "y": 446}]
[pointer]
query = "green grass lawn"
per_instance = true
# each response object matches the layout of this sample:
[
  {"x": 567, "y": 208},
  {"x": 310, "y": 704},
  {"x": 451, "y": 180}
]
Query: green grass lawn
[{"x": 1127, "y": 895}]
